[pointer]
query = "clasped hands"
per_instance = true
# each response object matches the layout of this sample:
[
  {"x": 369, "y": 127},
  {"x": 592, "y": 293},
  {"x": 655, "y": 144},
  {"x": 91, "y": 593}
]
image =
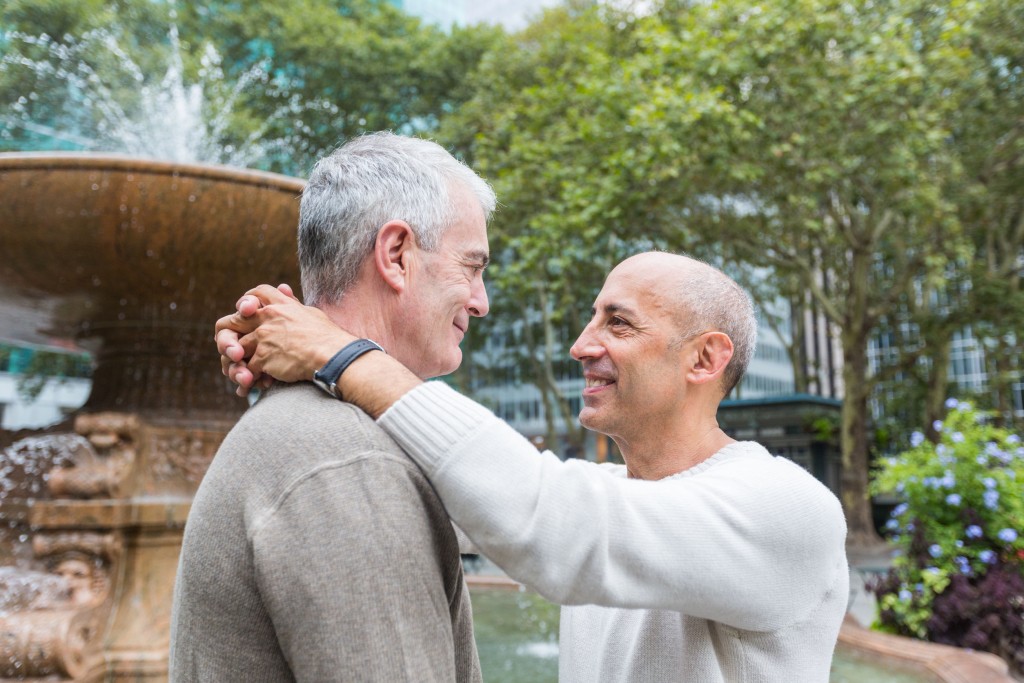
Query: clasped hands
[{"x": 273, "y": 336}]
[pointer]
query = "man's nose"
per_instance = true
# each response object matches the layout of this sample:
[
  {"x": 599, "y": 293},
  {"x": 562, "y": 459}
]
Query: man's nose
[
  {"x": 478, "y": 303},
  {"x": 585, "y": 346}
]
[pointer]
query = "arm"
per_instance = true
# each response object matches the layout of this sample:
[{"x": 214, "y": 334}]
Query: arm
[
  {"x": 752, "y": 543},
  {"x": 353, "y": 565}
]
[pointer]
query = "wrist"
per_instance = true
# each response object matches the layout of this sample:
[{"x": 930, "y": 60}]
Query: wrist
[{"x": 329, "y": 373}]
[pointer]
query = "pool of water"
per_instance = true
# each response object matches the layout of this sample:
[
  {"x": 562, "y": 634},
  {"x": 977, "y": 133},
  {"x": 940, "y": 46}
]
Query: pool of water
[{"x": 517, "y": 637}]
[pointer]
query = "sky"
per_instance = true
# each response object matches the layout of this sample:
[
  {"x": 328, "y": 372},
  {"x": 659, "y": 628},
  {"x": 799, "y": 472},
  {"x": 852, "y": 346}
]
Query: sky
[{"x": 513, "y": 14}]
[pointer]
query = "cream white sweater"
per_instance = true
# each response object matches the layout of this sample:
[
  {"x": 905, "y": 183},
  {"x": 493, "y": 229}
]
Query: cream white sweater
[{"x": 734, "y": 570}]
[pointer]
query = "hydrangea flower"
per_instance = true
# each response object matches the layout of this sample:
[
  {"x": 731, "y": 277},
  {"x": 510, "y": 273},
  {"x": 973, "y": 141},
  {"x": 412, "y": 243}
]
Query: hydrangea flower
[
  {"x": 1013, "y": 438},
  {"x": 991, "y": 499},
  {"x": 935, "y": 550},
  {"x": 974, "y": 531},
  {"x": 987, "y": 556},
  {"x": 916, "y": 439},
  {"x": 953, "y": 499},
  {"x": 905, "y": 595},
  {"x": 892, "y": 525},
  {"x": 899, "y": 509},
  {"x": 963, "y": 564},
  {"x": 957, "y": 437},
  {"x": 952, "y": 403},
  {"x": 1007, "y": 535},
  {"x": 989, "y": 482},
  {"x": 937, "y": 425}
]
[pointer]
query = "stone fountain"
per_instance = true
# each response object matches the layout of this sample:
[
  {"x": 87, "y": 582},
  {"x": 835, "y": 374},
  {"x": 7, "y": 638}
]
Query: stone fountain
[{"x": 135, "y": 259}]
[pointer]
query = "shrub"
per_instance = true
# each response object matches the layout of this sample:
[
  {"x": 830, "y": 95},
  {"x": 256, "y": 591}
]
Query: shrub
[{"x": 959, "y": 576}]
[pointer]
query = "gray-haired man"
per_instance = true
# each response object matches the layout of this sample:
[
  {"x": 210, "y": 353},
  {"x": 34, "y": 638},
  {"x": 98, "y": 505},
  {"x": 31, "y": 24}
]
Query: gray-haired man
[{"x": 315, "y": 549}]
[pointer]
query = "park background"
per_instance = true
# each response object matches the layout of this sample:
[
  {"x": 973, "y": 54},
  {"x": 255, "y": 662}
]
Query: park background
[{"x": 858, "y": 166}]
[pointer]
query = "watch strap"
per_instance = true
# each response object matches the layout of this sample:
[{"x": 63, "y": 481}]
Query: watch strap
[{"x": 327, "y": 377}]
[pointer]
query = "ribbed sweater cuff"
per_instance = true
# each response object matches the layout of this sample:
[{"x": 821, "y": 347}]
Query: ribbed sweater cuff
[{"x": 429, "y": 420}]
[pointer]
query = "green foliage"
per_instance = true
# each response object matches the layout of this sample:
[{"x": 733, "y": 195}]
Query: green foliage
[
  {"x": 38, "y": 367},
  {"x": 961, "y": 515},
  {"x": 311, "y": 73}
]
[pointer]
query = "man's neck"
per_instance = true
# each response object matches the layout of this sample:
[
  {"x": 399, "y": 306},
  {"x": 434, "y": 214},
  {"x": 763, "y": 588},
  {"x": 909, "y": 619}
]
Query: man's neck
[
  {"x": 363, "y": 316},
  {"x": 656, "y": 454}
]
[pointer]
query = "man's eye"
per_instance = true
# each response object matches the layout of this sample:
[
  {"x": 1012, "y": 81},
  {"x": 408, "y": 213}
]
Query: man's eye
[{"x": 617, "y": 321}]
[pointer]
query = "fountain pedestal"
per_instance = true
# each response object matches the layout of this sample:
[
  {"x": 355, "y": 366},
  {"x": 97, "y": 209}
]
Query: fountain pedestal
[{"x": 134, "y": 259}]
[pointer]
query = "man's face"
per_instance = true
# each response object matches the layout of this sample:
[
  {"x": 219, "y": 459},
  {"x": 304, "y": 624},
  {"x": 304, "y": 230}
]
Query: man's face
[
  {"x": 449, "y": 290},
  {"x": 634, "y": 378}
]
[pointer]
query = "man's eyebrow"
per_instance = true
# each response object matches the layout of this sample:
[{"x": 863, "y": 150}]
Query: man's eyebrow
[
  {"x": 481, "y": 257},
  {"x": 613, "y": 309}
]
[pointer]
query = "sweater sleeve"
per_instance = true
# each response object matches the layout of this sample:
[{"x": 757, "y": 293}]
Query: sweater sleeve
[
  {"x": 751, "y": 542},
  {"x": 349, "y": 565}
]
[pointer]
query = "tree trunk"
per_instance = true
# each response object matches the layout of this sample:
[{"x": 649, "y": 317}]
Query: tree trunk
[
  {"x": 857, "y": 388},
  {"x": 938, "y": 384}
]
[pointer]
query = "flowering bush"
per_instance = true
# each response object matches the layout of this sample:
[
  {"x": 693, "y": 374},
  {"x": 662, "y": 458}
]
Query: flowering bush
[{"x": 959, "y": 575}]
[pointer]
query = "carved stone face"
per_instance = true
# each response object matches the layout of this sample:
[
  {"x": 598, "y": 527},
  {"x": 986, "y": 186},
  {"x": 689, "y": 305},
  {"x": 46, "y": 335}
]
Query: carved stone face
[{"x": 81, "y": 578}]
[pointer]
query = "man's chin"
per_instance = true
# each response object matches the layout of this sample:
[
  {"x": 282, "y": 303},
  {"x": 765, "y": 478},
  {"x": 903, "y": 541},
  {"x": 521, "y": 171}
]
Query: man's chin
[{"x": 589, "y": 419}]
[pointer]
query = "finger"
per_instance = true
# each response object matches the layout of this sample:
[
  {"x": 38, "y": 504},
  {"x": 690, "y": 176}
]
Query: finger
[
  {"x": 286, "y": 288},
  {"x": 228, "y": 345},
  {"x": 248, "y": 305},
  {"x": 240, "y": 374},
  {"x": 270, "y": 295}
]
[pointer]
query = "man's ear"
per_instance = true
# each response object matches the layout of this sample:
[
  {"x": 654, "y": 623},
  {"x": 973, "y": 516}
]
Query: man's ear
[
  {"x": 392, "y": 252},
  {"x": 712, "y": 354}
]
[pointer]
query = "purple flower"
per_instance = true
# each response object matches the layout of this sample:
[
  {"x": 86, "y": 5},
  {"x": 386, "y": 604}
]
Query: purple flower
[
  {"x": 916, "y": 439},
  {"x": 989, "y": 482},
  {"x": 937, "y": 425},
  {"x": 957, "y": 437},
  {"x": 892, "y": 525},
  {"x": 1007, "y": 535},
  {"x": 963, "y": 564},
  {"x": 991, "y": 499},
  {"x": 974, "y": 531},
  {"x": 982, "y": 460},
  {"x": 1013, "y": 438},
  {"x": 935, "y": 550},
  {"x": 959, "y": 543},
  {"x": 953, "y": 499},
  {"x": 905, "y": 595},
  {"x": 899, "y": 510},
  {"x": 952, "y": 403},
  {"x": 987, "y": 556}
]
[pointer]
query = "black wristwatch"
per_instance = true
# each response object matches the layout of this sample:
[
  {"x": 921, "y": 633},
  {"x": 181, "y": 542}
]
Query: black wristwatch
[{"x": 327, "y": 377}]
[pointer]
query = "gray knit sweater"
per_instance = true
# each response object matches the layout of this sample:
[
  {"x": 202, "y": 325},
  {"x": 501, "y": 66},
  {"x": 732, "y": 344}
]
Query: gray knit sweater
[
  {"x": 317, "y": 551},
  {"x": 731, "y": 571}
]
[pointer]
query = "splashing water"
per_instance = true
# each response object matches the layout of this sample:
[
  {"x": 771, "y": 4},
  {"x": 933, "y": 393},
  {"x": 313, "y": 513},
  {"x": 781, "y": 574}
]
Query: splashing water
[{"x": 168, "y": 118}]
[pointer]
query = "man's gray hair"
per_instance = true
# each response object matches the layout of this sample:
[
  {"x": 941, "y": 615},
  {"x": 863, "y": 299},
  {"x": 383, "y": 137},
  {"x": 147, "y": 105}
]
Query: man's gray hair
[
  {"x": 711, "y": 300},
  {"x": 359, "y": 187}
]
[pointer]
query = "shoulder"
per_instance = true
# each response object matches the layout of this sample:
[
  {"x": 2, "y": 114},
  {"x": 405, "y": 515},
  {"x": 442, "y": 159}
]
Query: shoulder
[
  {"x": 300, "y": 417},
  {"x": 775, "y": 486}
]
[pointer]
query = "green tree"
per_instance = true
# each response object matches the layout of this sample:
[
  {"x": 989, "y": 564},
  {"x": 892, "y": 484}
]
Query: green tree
[
  {"x": 295, "y": 79},
  {"x": 579, "y": 123},
  {"x": 849, "y": 161}
]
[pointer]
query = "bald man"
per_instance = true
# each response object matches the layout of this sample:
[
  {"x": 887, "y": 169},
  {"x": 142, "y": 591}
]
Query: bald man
[{"x": 701, "y": 559}]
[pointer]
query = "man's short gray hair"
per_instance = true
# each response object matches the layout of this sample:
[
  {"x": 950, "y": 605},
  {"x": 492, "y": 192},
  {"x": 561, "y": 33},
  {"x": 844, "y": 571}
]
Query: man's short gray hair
[
  {"x": 711, "y": 300},
  {"x": 362, "y": 185}
]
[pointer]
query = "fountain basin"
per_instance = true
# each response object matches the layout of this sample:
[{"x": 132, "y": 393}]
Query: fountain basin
[{"x": 135, "y": 259}]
